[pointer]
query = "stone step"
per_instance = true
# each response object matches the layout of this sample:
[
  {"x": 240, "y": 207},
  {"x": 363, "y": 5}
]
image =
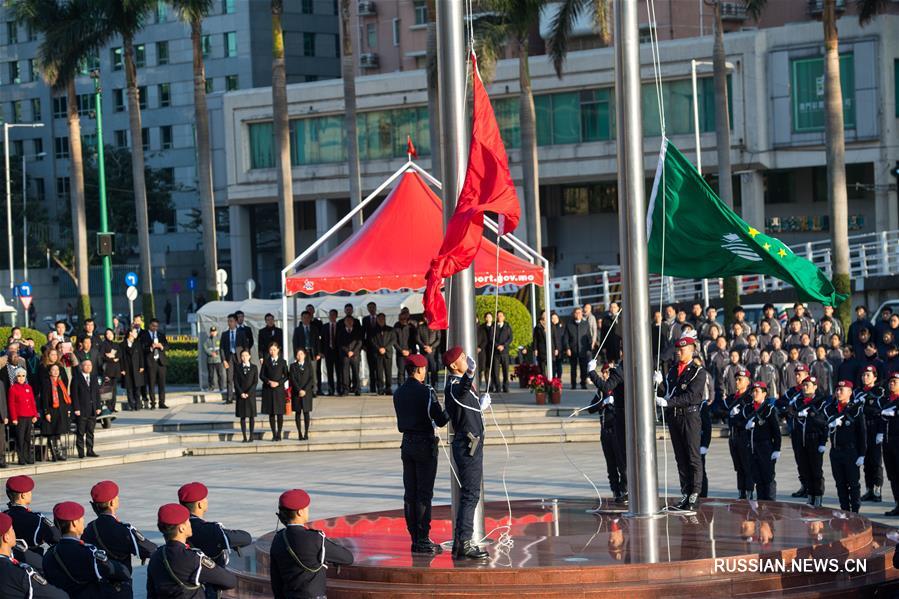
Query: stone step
[{"x": 118, "y": 458}]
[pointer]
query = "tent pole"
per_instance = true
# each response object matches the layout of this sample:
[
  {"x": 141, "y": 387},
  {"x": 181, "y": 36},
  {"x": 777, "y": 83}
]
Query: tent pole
[{"x": 546, "y": 314}]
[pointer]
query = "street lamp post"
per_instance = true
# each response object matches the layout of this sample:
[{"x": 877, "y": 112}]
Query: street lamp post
[
  {"x": 101, "y": 177},
  {"x": 12, "y": 275}
]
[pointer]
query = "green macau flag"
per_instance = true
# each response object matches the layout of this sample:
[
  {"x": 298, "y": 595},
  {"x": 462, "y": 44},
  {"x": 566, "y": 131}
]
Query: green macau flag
[{"x": 700, "y": 237}]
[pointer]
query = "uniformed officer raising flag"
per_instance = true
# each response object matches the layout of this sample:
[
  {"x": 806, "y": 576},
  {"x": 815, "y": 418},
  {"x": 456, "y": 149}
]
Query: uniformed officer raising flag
[
  {"x": 80, "y": 569},
  {"x": 418, "y": 414},
  {"x": 464, "y": 409},
  {"x": 177, "y": 571},
  {"x": 118, "y": 539},
  {"x": 19, "y": 580},
  {"x": 34, "y": 528},
  {"x": 300, "y": 555}
]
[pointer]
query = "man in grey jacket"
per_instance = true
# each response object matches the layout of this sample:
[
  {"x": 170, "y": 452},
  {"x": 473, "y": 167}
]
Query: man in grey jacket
[{"x": 215, "y": 371}]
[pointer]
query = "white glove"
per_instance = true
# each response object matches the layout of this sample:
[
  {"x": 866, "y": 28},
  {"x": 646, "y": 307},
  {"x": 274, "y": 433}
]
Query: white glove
[
  {"x": 591, "y": 365},
  {"x": 820, "y": 449},
  {"x": 878, "y": 439},
  {"x": 775, "y": 455},
  {"x": 889, "y": 412},
  {"x": 657, "y": 378},
  {"x": 835, "y": 422},
  {"x": 803, "y": 413},
  {"x": 750, "y": 425},
  {"x": 860, "y": 461},
  {"x": 661, "y": 402},
  {"x": 608, "y": 400},
  {"x": 470, "y": 362},
  {"x": 485, "y": 401},
  {"x": 735, "y": 410},
  {"x": 703, "y": 450}
]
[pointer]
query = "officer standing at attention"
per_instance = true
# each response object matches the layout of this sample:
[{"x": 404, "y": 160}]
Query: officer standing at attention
[
  {"x": 465, "y": 411},
  {"x": 34, "y": 528},
  {"x": 888, "y": 436},
  {"x": 738, "y": 434},
  {"x": 789, "y": 398},
  {"x": 211, "y": 538},
  {"x": 118, "y": 539},
  {"x": 764, "y": 440},
  {"x": 19, "y": 580},
  {"x": 418, "y": 414},
  {"x": 809, "y": 435},
  {"x": 609, "y": 402},
  {"x": 872, "y": 397},
  {"x": 682, "y": 393},
  {"x": 300, "y": 555},
  {"x": 80, "y": 569},
  {"x": 177, "y": 571},
  {"x": 846, "y": 431}
]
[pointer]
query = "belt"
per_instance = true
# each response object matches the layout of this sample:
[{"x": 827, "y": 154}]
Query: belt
[
  {"x": 418, "y": 435},
  {"x": 686, "y": 410}
]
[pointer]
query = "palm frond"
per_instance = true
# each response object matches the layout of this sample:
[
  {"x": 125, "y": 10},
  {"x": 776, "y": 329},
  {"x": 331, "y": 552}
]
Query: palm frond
[
  {"x": 754, "y": 8},
  {"x": 560, "y": 31},
  {"x": 868, "y": 9},
  {"x": 192, "y": 10}
]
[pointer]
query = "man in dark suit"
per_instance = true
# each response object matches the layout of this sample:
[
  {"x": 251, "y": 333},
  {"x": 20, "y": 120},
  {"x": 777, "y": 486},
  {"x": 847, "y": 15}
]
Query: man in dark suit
[
  {"x": 86, "y": 407},
  {"x": 233, "y": 341},
  {"x": 383, "y": 343},
  {"x": 332, "y": 355},
  {"x": 245, "y": 329},
  {"x": 485, "y": 349},
  {"x": 501, "y": 352},
  {"x": 369, "y": 330},
  {"x": 348, "y": 311},
  {"x": 317, "y": 360},
  {"x": 349, "y": 345},
  {"x": 88, "y": 350},
  {"x": 4, "y": 420},
  {"x": 578, "y": 347},
  {"x": 428, "y": 342},
  {"x": 90, "y": 330},
  {"x": 269, "y": 334},
  {"x": 11, "y": 362},
  {"x": 155, "y": 345},
  {"x": 404, "y": 334},
  {"x": 307, "y": 336}
]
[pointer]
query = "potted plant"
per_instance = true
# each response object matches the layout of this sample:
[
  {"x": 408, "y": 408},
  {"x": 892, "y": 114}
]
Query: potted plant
[
  {"x": 538, "y": 386},
  {"x": 556, "y": 389}
]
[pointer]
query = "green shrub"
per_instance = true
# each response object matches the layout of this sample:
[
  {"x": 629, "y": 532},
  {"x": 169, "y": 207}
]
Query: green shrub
[
  {"x": 182, "y": 367},
  {"x": 517, "y": 316},
  {"x": 40, "y": 340}
]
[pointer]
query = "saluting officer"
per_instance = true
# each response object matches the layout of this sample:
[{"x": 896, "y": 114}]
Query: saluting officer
[
  {"x": 609, "y": 402},
  {"x": 790, "y": 396},
  {"x": 80, "y": 569},
  {"x": 872, "y": 397},
  {"x": 211, "y": 538},
  {"x": 19, "y": 580},
  {"x": 300, "y": 555},
  {"x": 738, "y": 439},
  {"x": 846, "y": 432},
  {"x": 808, "y": 436},
  {"x": 682, "y": 394},
  {"x": 32, "y": 527},
  {"x": 118, "y": 539},
  {"x": 888, "y": 436},
  {"x": 465, "y": 411},
  {"x": 764, "y": 440},
  {"x": 177, "y": 571},
  {"x": 418, "y": 414}
]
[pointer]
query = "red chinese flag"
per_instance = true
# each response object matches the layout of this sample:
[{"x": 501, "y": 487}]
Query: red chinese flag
[
  {"x": 488, "y": 187},
  {"x": 410, "y": 149}
]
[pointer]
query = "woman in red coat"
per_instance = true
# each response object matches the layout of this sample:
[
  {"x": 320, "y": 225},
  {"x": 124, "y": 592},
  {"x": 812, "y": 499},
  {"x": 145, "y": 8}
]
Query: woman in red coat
[{"x": 23, "y": 414}]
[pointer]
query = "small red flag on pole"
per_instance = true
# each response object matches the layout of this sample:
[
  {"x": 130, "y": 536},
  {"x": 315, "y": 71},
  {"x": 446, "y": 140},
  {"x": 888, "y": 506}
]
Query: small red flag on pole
[{"x": 410, "y": 149}]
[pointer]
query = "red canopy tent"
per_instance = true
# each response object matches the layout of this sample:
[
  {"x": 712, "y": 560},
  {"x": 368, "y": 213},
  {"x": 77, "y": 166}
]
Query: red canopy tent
[{"x": 394, "y": 248}]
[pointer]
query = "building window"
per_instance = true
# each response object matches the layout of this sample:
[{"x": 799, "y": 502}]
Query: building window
[
  {"x": 231, "y": 83},
  {"x": 18, "y": 148},
  {"x": 142, "y": 97},
  {"x": 38, "y": 146},
  {"x": 506, "y": 111},
  {"x": 60, "y": 107},
  {"x": 165, "y": 137},
  {"x": 262, "y": 146},
  {"x": 32, "y": 72},
  {"x": 89, "y": 143},
  {"x": 13, "y": 69},
  {"x": 231, "y": 44},
  {"x": 121, "y": 138},
  {"x": 40, "y": 189},
  {"x": 162, "y": 11},
  {"x": 12, "y": 32},
  {"x": 383, "y": 133},
  {"x": 140, "y": 55},
  {"x": 896, "y": 85},
  {"x": 163, "y": 91},
  {"x": 61, "y": 147},
  {"x": 118, "y": 100},
  {"x": 62, "y": 186},
  {"x": 116, "y": 58},
  {"x": 228, "y": 7},
  {"x": 396, "y": 31},
  {"x": 162, "y": 53},
  {"x": 85, "y": 104},
  {"x": 209, "y": 85},
  {"x": 421, "y": 12},
  {"x": 306, "y": 7},
  {"x": 206, "y": 45},
  {"x": 90, "y": 63},
  {"x": 32, "y": 34},
  {"x": 597, "y": 114},
  {"x": 145, "y": 139},
  {"x": 308, "y": 44},
  {"x": 36, "y": 109},
  {"x": 678, "y": 99},
  {"x": 807, "y": 93},
  {"x": 371, "y": 35},
  {"x": 16, "y": 115}
]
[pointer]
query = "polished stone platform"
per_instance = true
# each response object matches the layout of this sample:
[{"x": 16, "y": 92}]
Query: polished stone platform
[{"x": 563, "y": 548}]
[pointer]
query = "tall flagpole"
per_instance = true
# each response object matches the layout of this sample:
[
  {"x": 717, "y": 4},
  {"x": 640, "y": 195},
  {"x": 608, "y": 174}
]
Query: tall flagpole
[
  {"x": 451, "y": 61},
  {"x": 637, "y": 364}
]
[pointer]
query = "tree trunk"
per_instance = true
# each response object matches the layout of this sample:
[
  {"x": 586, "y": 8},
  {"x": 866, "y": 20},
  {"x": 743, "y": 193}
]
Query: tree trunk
[
  {"x": 347, "y": 71},
  {"x": 137, "y": 174},
  {"x": 433, "y": 93},
  {"x": 76, "y": 196},
  {"x": 722, "y": 143},
  {"x": 529, "y": 166},
  {"x": 204, "y": 163},
  {"x": 834, "y": 143},
  {"x": 282, "y": 138}
]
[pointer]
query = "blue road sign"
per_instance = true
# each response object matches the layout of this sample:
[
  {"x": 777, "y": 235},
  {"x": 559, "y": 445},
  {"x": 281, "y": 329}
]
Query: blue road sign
[
  {"x": 131, "y": 279},
  {"x": 25, "y": 289},
  {"x": 192, "y": 283}
]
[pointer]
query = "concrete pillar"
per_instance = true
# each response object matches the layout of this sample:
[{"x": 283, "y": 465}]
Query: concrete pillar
[
  {"x": 325, "y": 218},
  {"x": 752, "y": 187},
  {"x": 886, "y": 205},
  {"x": 241, "y": 249}
]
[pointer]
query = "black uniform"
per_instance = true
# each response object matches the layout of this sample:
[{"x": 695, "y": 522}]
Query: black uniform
[
  {"x": 216, "y": 542},
  {"x": 404, "y": 338},
  {"x": 231, "y": 344},
  {"x": 176, "y": 571},
  {"x": 808, "y": 434},
  {"x": 425, "y": 336},
  {"x": 872, "y": 399},
  {"x": 464, "y": 409},
  {"x": 791, "y": 395},
  {"x": 332, "y": 357},
  {"x": 157, "y": 365},
  {"x": 705, "y": 440},
  {"x": 267, "y": 336},
  {"x": 349, "y": 341},
  {"x": 846, "y": 432},
  {"x": 370, "y": 329},
  {"x": 685, "y": 393},
  {"x": 763, "y": 440},
  {"x": 83, "y": 570},
  {"x": 32, "y": 527},
  {"x": 299, "y": 562},
  {"x": 501, "y": 356},
  {"x": 120, "y": 541},
  {"x": 738, "y": 441},
  {"x": 19, "y": 580},
  {"x": 609, "y": 403},
  {"x": 889, "y": 428},
  {"x": 418, "y": 412}
]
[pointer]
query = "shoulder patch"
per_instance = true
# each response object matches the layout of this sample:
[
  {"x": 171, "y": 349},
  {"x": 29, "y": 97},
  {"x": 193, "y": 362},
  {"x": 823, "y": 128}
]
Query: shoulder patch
[{"x": 206, "y": 562}]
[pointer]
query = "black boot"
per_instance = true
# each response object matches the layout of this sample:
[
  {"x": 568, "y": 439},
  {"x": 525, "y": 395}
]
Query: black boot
[
  {"x": 868, "y": 496},
  {"x": 688, "y": 502},
  {"x": 817, "y": 500},
  {"x": 426, "y": 547},
  {"x": 877, "y": 495},
  {"x": 468, "y": 550},
  {"x": 742, "y": 495},
  {"x": 892, "y": 512},
  {"x": 802, "y": 492}
]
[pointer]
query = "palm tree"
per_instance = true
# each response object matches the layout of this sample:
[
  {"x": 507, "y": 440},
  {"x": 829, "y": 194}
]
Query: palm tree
[
  {"x": 282, "y": 136},
  {"x": 193, "y": 12},
  {"x": 562, "y": 25},
  {"x": 433, "y": 92},
  {"x": 348, "y": 72},
  {"x": 70, "y": 35}
]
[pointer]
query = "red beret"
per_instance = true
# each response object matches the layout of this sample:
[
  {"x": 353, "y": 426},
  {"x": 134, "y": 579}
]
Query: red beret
[
  {"x": 104, "y": 491},
  {"x": 685, "y": 341},
  {"x": 800, "y": 368},
  {"x": 192, "y": 492},
  {"x": 452, "y": 354},
  {"x": 894, "y": 375},
  {"x": 5, "y": 524},
  {"x": 417, "y": 360},
  {"x": 19, "y": 484},
  {"x": 870, "y": 368},
  {"x": 172, "y": 514},
  {"x": 742, "y": 372},
  {"x": 68, "y": 511},
  {"x": 845, "y": 384},
  {"x": 760, "y": 385},
  {"x": 295, "y": 499},
  {"x": 811, "y": 379}
]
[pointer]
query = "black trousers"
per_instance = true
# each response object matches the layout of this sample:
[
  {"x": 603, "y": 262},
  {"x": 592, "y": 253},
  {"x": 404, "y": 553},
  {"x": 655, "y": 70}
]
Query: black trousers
[
  {"x": 873, "y": 457},
  {"x": 501, "y": 366},
  {"x": 332, "y": 366},
  {"x": 156, "y": 382},
  {"x": 419, "y": 455},
  {"x": 229, "y": 395},
  {"x": 614, "y": 453},
  {"x": 796, "y": 442},
  {"x": 482, "y": 367},
  {"x": 811, "y": 463},
  {"x": 318, "y": 371},
  {"x": 84, "y": 434},
  {"x": 685, "y": 428},
  {"x": 578, "y": 361},
  {"x": 741, "y": 454},
  {"x": 846, "y": 476},
  {"x": 215, "y": 376},
  {"x": 4, "y": 444},
  {"x": 762, "y": 468},
  {"x": 432, "y": 368},
  {"x": 470, "y": 469},
  {"x": 349, "y": 373},
  {"x": 891, "y": 462},
  {"x": 24, "y": 444},
  {"x": 400, "y": 367},
  {"x": 382, "y": 373}
]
